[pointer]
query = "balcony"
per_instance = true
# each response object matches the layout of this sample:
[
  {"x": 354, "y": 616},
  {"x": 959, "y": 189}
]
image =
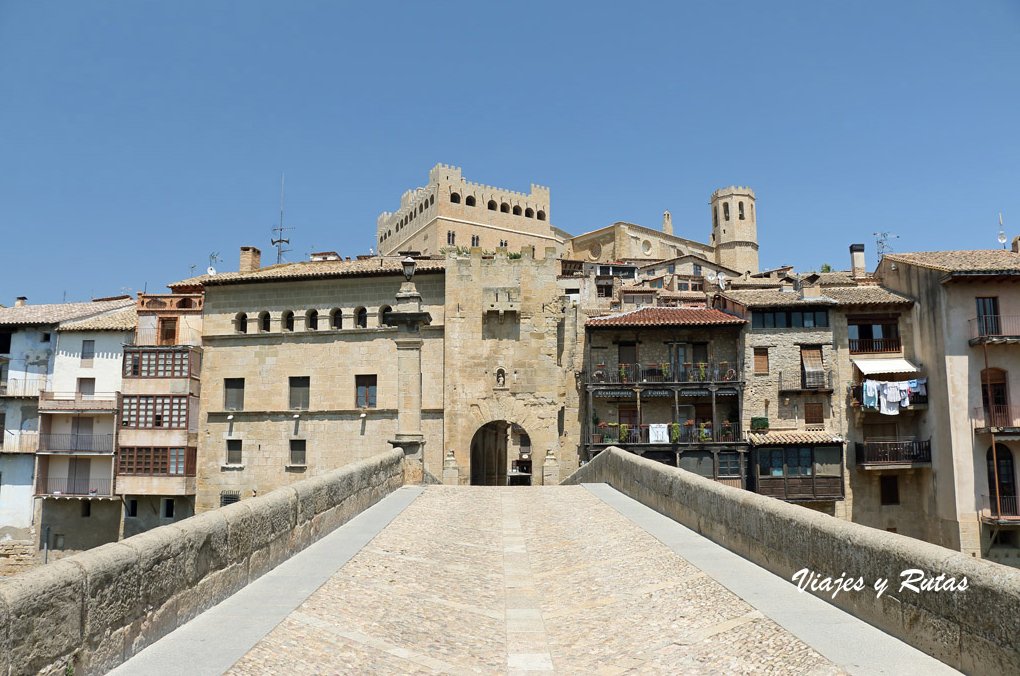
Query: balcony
[
  {"x": 71, "y": 443},
  {"x": 1001, "y": 509},
  {"x": 802, "y": 488},
  {"x": 916, "y": 400},
  {"x": 995, "y": 329},
  {"x": 1000, "y": 418},
  {"x": 688, "y": 372},
  {"x": 676, "y": 434},
  {"x": 880, "y": 454},
  {"x": 806, "y": 381},
  {"x": 55, "y": 402},
  {"x": 29, "y": 387},
  {"x": 75, "y": 486},
  {"x": 12, "y": 441},
  {"x": 874, "y": 345}
]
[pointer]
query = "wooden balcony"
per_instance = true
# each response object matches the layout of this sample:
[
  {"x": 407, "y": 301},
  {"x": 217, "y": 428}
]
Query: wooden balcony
[
  {"x": 55, "y": 402},
  {"x": 874, "y": 345},
  {"x": 664, "y": 373},
  {"x": 13, "y": 441},
  {"x": 802, "y": 488},
  {"x": 893, "y": 454},
  {"x": 677, "y": 434},
  {"x": 995, "y": 329},
  {"x": 1000, "y": 418}
]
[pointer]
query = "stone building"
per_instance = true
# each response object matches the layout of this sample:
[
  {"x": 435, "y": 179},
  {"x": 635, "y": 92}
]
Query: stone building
[
  {"x": 733, "y": 242},
  {"x": 450, "y": 212},
  {"x": 965, "y": 330}
]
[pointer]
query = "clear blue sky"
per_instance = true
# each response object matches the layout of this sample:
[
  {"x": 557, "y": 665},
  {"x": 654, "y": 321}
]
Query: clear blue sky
[{"x": 136, "y": 137}]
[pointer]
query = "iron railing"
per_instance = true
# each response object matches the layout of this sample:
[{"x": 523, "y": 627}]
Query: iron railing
[
  {"x": 687, "y": 372},
  {"x": 1007, "y": 506},
  {"x": 893, "y": 452},
  {"x": 805, "y": 380},
  {"x": 75, "y": 486},
  {"x": 996, "y": 416},
  {"x": 102, "y": 443},
  {"x": 992, "y": 326},
  {"x": 676, "y": 433},
  {"x": 859, "y": 345}
]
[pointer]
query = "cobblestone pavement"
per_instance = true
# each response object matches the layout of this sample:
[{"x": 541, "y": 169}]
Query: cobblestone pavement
[{"x": 524, "y": 580}]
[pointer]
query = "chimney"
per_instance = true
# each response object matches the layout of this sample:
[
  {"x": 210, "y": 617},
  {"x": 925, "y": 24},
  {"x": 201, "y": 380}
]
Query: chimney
[
  {"x": 20, "y": 301},
  {"x": 667, "y": 222},
  {"x": 858, "y": 268},
  {"x": 251, "y": 259},
  {"x": 1016, "y": 244}
]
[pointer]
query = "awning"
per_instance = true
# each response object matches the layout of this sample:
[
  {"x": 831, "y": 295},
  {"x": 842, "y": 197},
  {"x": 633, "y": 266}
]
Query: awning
[{"x": 872, "y": 366}]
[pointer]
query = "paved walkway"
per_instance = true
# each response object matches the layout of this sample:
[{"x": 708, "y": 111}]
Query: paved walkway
[{"x": 568, "y": 579}]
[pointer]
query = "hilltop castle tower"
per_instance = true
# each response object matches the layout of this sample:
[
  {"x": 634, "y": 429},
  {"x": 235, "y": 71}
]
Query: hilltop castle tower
[{"x": 734, "y": 229}]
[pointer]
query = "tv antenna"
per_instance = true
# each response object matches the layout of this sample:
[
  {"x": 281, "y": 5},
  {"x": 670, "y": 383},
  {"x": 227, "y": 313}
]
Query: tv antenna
[
  {"x": 278, "y": 240},
  {"x": 214, "y": 258},
  {"x": 882, "y": 242}
]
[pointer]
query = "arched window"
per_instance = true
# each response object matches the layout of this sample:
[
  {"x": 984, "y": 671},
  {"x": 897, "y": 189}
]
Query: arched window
[
  {"x": 715, "y": 217},
  {"x": 432, "y": 200},
  {"x": 529, "y": 213},
  {"x": 470, "y": 201},
  {"x": 505, "y": 208},
  {"x": 451, "y": 237},
  {"x": 287, "y": 320},
  {"x": 1003, "y": 493},
  {"x": 455, "y": 197},
  {"x": 492, "y": 205},
  {"x": 383, "y": 311},
  {"x": 264, "y": 322},
  {"x": 541, "y": 215},
  {"x": 726, "y": 211},
  {"x": 361, "y": 318},
  {"x": 336, "y": 319},
  {"x": 312, "y": 320},
  {"x": 517, "y": 211},
  {"x": 185, "y": 303},
  {"x": 740, "y": 211},
  {"x": 241, "y": 323},
  {"x": 475, "y": 240}
]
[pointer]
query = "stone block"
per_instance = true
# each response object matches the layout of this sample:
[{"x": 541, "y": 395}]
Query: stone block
[
  {"x": 45, "y": 615},
  {"x": 210, "y": 590},
  {"x": 162, "y": 560},
  {"x": 112, "y": 590},
  {"x": 241, "y": 526},
  {"x": 157, "y": 622},
  {"x": 205, "y": 545}
]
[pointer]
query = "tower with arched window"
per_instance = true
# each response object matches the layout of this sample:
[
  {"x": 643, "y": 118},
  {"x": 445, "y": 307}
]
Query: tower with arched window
[{"x": 734, "y": 228}]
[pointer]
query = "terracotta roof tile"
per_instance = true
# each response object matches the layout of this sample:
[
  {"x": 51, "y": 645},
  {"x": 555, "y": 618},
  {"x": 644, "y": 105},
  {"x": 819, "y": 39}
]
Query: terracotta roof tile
[
  {"x": 123, "y": 320},
  {"x": 667, "y": 316},
  {"x": 786, "y": 437},
  {"x": 867, "y": 294},
  {"x": 773, "y": 298},
  {"x": 313, "y": 270},
  {"x": 58, "y": 312},
  {"x": 989, "y": 261}
]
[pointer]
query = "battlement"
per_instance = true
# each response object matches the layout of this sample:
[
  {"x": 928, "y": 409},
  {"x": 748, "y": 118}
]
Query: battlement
[
  {"x": 442, "y": 172},
  {"x": 733, "y": 190}
]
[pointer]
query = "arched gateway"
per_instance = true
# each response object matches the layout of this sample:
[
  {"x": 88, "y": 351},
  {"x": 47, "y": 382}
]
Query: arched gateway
[{"x": 500, "y": 455}]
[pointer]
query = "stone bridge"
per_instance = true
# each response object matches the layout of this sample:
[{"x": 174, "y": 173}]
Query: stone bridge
[{"x": 633, "y": 567}]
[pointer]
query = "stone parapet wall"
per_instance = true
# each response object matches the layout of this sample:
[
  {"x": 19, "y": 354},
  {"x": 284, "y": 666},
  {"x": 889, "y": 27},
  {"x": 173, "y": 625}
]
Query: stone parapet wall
[
  {"x": 96, "y": 609},
  {"x": 976, "y": 631}
]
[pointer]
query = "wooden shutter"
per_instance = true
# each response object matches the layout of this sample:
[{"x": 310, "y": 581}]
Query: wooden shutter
[
  {"x": 761, "y": 360},
  {"x": 813, "y": 414}
]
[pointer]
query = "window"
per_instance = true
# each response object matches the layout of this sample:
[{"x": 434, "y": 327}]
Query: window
[
  {"x": 297, "y": 451},
  {"x": 455, "y": 198},
  {"x": 264, "y": 322},
  {"x": 88, "y": 350},
  {"x": 361, "y": 318},
  {"x": 814, "y": 414},
  {"x": 889, "y": 489},
  {"x": 150, "y": 412},
  {"x": 726, "y": 211},
  {"x": 715, "y": 217},
  {"x": 740, "y": 211},
  {"x": 541, "y": 215},
  {"x": 241, "y": 323},
  {"x": 312, "y": 320},
  {"x": 86, "y": 508},
  {"x": 697, "y": 270},
  {"x": 336, "y": 319},
  {"x": 142, "y": 363},
  {"x": 529, "y": 213},
  {"x": 627, "y": 353},
  {"x": 813, "y": 367},
  {"x": 167, "y": 330},
  {"x": 517, "y": 211},
  {"x": 470, "y": 201},
  {"x": 873, "y": 334},
  {"x": 792, "y": 319},
  {"x": 299, "y": 387},
  {"x": 288, "y": 321},
  {"x": 475, "y": 240},
  {"x": 5, "y": 342},
  {"x": 502, "y": 243},
  {"x": 729, "y": 465},
  {"x": 383, "y": 311},
  {"x": 988, "y": 316},
  {"x": 168, "y": 508},
  {"x": 671, "y": 268},
  {"x": 365, "y": 391},
  {"x": 504, "y": 208},
  {"x": 229, "y": 497},
  {"x": 87, "y": 387},
  {"x": 491, "y": 205},
  {"x": 451, "y": 237},
  {"x": 234, "y": 456},
  {"x": 132, "y": 508},
  {"x": 761, "y": 361},
  {"x": 148, "y": 461},
  {"x": 45, "y": 337},
  {"x": 233, "y": 394}
]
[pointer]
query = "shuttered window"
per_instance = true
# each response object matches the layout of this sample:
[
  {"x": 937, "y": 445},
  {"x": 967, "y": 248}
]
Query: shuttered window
[
  {"x": 814, "y": 373},
  {"x": 813, "y": 414},
  {"x": 761, "y": 360}
]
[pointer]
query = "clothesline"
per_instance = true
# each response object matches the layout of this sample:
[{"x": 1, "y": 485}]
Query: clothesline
[{"x": 888, "y": 397}]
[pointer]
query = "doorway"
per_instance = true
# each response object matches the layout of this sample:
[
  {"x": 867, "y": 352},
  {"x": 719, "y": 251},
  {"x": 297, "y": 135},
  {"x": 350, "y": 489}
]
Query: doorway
[{"x": 488, "y": 454}]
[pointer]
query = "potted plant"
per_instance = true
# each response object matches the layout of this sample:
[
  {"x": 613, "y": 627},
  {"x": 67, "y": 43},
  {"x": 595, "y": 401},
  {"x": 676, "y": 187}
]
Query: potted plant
[
  {"x": 674, "y": 432},
  {"x": 705, "y": 431},
  {"x": 759, "y": 424},
  {"x": 624, "y": 433},
  {"x": 610, "y": 435},
  {"x": 667, "y": 372},
  {"x": 596, "y": 437},
  {"x": 702, "y": 371},
  {"x": 623, "y": 373}
]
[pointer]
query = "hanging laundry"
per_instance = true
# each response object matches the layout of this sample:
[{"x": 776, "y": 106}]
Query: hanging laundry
[
  {"x": 904, "y": 393},
  {"x": 889, "y": 399},
  {"x": 870, "y": 398}
]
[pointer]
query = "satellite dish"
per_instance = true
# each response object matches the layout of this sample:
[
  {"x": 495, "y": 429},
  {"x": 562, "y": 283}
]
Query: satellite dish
[
  {"x": 710, "y": 276},
  {"x": 722, "y": 281},
  {"x": 210, "y": 270}
]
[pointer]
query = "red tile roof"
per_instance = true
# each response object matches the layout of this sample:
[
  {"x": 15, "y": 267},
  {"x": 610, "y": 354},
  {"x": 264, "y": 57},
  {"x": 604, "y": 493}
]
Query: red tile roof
[
  {"x": 667, "y": 316},
  {"x": 785, "y": 437}
]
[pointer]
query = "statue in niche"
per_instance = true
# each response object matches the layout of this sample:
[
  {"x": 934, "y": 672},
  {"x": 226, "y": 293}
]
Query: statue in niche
[{"x": 500, "y": 378}]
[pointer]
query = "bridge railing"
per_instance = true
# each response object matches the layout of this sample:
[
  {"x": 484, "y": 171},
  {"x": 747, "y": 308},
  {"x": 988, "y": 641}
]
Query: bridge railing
[
  {"x": 786, "y": 538},
  {"x": 89, "y": 612}
]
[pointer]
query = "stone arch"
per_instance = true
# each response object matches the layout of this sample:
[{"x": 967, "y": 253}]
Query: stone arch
[
  {"x": 491, "y": 205},
  {"x": 455, "y": 197},
  {"x": 504, "y": 208},
  {"x": 541, "y": 215},
  {"x": 529, "y": 213},
  {"x": 517, "y": 210},
  {"x": 470, "y": 201}
]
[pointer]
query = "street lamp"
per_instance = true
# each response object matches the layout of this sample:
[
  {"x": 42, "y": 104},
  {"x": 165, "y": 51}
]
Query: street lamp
[{"x": 409, "y": 264}]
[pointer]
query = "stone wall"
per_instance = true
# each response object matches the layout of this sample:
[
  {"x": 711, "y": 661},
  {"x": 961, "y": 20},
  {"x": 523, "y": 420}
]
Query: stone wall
[
  {"x": 94, "y": 610},
  {"x": 17, "y": 556},
  {"x": 976, "y": 631}
]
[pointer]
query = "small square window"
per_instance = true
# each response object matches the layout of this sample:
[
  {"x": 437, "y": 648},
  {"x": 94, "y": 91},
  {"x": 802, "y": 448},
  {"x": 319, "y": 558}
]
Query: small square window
[
  {"x": 297, "y": 452},
  {"x": 365, "y": 391},
  {"x": 234, "y": 452},
  {"x": 132, "y": 508},
  {"x": 45, "y": 337},
  {"x": 814, "y": 414},
  {"x": 168, "y": 508},
  {"x": 86, "y": 508}
]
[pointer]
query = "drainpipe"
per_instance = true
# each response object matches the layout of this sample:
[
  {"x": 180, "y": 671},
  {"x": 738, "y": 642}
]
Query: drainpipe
[{"x": 46, "y": 546}]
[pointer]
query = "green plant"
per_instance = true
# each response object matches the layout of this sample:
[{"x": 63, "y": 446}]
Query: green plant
[
  {"x": 667, "y": 371},
  {"x": 759, "y": 424},
  {"x": 624, "y": 431},
  {"x": 514, "y": 255},
  {"x": 674, "y": 432}
]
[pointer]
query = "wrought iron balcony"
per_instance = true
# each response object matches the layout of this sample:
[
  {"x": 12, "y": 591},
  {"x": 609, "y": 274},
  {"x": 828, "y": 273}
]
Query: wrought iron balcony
[
  {"x": 806, "y": 381},
  {"x": 995, "y": 328},
  {"x": 676, "y": 433},
  {"x": 687, "y": 372},
  {"x": 76, "y": 486},
  {"x": 1003, "y": 417},
  {"x": 874, "y": 345},
  {"x": 879, "y": 452},
  {"x": 92, "y": 443}
]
